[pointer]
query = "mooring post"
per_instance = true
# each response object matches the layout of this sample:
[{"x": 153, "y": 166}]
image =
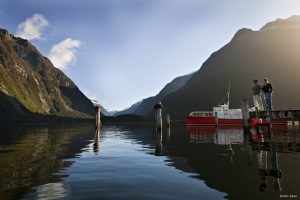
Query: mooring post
[
  {"x": 269, "y": 120},
  {"x": 216, "y": 119},
  {"x": 246, "y": 115},
  {"x": 97, "y": 109},
  {"x": 168, "y": 119},
  {"x": 169, "y": 133},
  {"x": 158, "y": 115}
]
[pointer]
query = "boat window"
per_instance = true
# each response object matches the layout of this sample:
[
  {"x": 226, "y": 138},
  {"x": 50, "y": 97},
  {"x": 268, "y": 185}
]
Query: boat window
[{"x": 201, "y": 114}]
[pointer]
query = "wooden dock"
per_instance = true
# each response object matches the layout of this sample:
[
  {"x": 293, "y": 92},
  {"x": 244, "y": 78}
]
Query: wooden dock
[{"x": 277, "y": 114}]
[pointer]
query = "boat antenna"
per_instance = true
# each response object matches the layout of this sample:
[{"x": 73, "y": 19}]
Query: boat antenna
[
  {"x": 223, "y": 100},
  {"x": 228, "y": 94}
]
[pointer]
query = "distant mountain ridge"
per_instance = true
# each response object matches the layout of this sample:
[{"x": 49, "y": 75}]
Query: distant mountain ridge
[
  {"x": 129, "y": 110},
  {"x": 272, "y": 51},
  {"x": 145, "y": 106},
  {"x": 29, "y": 83}
]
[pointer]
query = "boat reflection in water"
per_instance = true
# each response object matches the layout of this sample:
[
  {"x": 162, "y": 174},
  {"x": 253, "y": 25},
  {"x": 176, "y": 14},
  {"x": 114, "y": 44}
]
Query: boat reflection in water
[
  {"x": 217, "y": 135},
  {"x": 261, "y": 149}
]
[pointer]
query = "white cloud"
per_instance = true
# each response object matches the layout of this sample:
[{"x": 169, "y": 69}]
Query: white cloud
[
  {"x": 33, "y": 27},
  {"x": 63, "y": 53}
]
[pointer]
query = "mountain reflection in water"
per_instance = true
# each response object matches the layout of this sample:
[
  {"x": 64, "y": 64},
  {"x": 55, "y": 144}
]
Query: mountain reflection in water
[{"x": 74, "y": 161}]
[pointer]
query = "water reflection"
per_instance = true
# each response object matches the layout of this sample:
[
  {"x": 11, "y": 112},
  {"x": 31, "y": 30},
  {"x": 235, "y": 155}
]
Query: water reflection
[
  {"x": 216, "y": 135},
  {"x": 50, "y": 191},
  {"x": 96, "y": 145},
  {"x": 139, "y": 163},
  {"x": 35, "y": 154},
  {"x": 159, "y": 144},
  {"x": 274, "y": 155}
]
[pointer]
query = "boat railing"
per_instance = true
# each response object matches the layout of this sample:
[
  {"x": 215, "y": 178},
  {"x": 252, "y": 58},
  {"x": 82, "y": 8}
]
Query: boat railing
[
  {"x": 231, "y": 114},
  {"x": 202, "y": 114}
]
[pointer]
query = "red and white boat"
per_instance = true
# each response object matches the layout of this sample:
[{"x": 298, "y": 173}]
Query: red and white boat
[{"x": 220, "y": 115}]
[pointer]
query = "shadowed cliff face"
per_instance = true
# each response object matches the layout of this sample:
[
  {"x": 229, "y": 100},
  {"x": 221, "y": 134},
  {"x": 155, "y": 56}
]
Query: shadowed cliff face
[
  {"x": 272, "y": 51},
  {"x": 31, "y": 80}
]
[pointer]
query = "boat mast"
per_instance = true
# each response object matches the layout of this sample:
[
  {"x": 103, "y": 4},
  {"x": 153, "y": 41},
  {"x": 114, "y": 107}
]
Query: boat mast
[{"x": 228, "y": 94}]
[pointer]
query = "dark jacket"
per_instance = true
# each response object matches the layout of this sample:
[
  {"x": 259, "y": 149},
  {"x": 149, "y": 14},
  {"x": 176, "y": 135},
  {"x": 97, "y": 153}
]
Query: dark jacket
[
  {"x": 267, "y": 88},
  {"x": 256, "y": 90}
]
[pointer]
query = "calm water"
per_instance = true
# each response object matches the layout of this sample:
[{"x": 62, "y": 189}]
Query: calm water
[{"x": 72, "y": 161}]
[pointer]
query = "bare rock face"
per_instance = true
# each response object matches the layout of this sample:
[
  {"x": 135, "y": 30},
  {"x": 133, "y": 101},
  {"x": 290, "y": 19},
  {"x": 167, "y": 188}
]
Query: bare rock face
[{"x": 29, "y": 83}]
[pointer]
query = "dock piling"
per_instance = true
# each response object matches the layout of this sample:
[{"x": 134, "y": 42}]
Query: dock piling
[
  {"x": 98, "y": 121},
  {"x": 216, "y": 119},
  {"x": 168, "y": 119},
  {"x": 245, "y": 112},
  {"x": 158, "y": 115}
]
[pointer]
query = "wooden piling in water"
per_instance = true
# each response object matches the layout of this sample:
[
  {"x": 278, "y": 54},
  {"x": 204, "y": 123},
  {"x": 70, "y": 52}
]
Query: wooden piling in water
[
  {"x": 168, "y": 119},
  {"x": 98, "y": 120},
  {"x": 245, "y": 114},
  {"x": 158, "y": 115},
  {"x": 216, "y": 119}
]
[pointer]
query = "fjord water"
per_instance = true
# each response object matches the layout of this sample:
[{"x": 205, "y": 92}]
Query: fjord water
[{"x": 73, "y": 161}]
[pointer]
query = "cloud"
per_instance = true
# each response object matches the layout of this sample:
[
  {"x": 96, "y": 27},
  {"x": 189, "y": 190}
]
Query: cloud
[
  {"x": 63, "y": 53},
  {"x": 33, "y": 27}
]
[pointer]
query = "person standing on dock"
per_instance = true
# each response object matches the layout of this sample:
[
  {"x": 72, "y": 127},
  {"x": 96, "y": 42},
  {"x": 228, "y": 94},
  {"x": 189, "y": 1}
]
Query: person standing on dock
[
  {"x": 268, "y": 90},
  {"x": 256, "y": 90}
]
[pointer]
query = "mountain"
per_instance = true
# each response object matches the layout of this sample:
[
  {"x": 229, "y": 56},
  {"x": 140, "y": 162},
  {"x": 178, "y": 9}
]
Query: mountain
[
  {"x": 106, "y": 112},
  {"x": 272, "y": 51},
  {"x": 145, "y": 106},
  {"x": 29, "y": 83},
  {"x": 129, "y": 110}
]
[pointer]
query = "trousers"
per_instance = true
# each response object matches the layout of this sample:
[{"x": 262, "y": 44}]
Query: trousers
[
  {"x": 258, "y": 102},
  {"x": 268, "y": 98}
]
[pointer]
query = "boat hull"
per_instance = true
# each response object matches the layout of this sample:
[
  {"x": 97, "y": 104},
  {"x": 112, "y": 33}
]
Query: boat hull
[
  {"x": 211, "y": 121},
  {"x": 206, "y": 121}
]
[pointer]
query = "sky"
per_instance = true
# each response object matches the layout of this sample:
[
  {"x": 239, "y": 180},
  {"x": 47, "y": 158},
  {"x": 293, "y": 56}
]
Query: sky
[{"x": 122, "y": 51}]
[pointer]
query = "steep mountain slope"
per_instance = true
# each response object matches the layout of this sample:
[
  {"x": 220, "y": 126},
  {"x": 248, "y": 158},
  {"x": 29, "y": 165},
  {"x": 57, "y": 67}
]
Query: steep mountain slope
[
  {"x": 29, "y": 83},
  {"x": 129, "y": 110},
  {"x": 146, "y": 105},
  {"x": 272, "y": 51}
]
